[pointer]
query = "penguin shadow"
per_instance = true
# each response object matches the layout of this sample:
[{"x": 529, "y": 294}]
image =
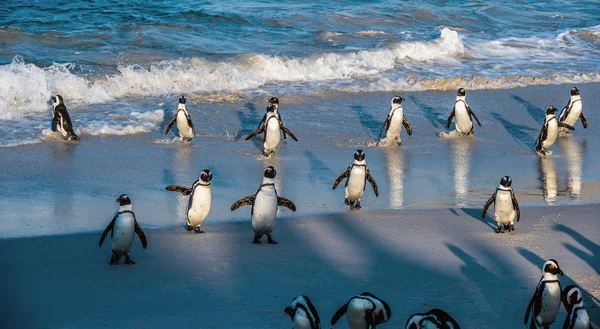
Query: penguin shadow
[
  {"x": 170, "y": 112},
  {"x": 536, "y": 113},
  {"x": 319, "y": 171},
  {"x": 518, "y": 132},
  {"x": 369, "y": 122},
  {"x": 573, "y": 152},
  {"x": 592, "y": 256},
  {"x": 548, "y": 178},
  {"x": 249, "y": 122},
  {"x": 437, "y": 119},
  {"x": 476, "y": 213}
]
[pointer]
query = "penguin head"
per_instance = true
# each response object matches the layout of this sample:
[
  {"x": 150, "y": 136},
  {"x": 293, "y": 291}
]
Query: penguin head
[
  {"x": 124, "y": 200},
  {"x": 271, "y": 108},
  {"x": 506, "y": 181},
  {"x": 550, "y": 110},
  {"x": 270, "y": 172},
  {"x": 274, "y": 100},
  {"x": 206, "y": 176},
  {"x": 551, "y": 266},
  {"x": 572, "y": 296},
  {"x": 359, "y": 155},
  {"x": 397, "y": 100},
  {"x": 461, "y": 92},
  {"x": 56, "y": 100},
  {"x": 182, "y": 99},
  {"x": 574, "y": 91}
]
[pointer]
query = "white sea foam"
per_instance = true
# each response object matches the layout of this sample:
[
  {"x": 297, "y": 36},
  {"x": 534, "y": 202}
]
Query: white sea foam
[{"x": 135, "y": 123}]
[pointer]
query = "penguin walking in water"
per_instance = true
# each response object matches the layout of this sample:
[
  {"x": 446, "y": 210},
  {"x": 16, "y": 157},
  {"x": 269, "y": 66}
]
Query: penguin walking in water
[
  {"x": 123, "y": 227},
  {"x": 549, "y": 131},
  {"x": 358, "y": 174},
  {"x": 394, "y": 122},
  {"x": 506, "y": 207},
  {"x": 199, "y": 202},
  {"x": 571, "y": 112},
  {"x": 61, "y": 121},
  {"x": 433, "y": 319},
  {"x": 303, "y": 313},
  {"x": 184, "y": 122},
  {"x": 271, "y": 127},
  {"x": 577, "y": 317},
  {"x": 264, "y": 206},
  {"x": 545, "y": 302},
  {"x": 364, "y": 311},
  {"x": 275, "y": 102},
  {"x": 463, "y": 113}
]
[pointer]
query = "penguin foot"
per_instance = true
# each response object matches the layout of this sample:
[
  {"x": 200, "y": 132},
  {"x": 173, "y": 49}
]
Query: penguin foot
[
  {"x": 511, "y": 227},
  {"x": 190, "y": 227},
  {"x": 270, "y": 240},
  {"x": 256, "y": 239},
  {"x": 357, "y": 206},
  {"x": 347, "y": 202},
  {"x": 499, "y": 230},
  {"x": 197, "y": 230},
  {"x": 128, "y": 260},
  {"x": 114, "y": 259}
]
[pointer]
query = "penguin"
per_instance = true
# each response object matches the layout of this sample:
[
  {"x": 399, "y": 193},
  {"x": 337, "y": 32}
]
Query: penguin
[
  {"x": 184, "y": 122},
  {"x": 303, "y": 313},
  {"x": 61, "y": 121},
  {"x": 545, "y": 302},
  {"x": 271, "y": 127},
  {"x": 275, "y": 102},
  {"x": 463, "y": 113},
  {"x": 549, "y": 131},
  {"x": 572, "y": 111},
  {"x": 433, "y": 319},
  {"x": 394, "y": 122},
  {"x": 264, "y": 206},
  {"x": 364, "y": 311},
  {"x": 358, "y": 174},
  {"x": 506, "y": 207},
  {"x": 122, "y": 228},
  {"x": 199, "y": 202},
  {"x": 577, "y": 317}
]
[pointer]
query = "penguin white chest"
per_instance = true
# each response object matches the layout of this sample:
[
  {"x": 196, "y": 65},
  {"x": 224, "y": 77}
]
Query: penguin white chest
[
  {"x": 123, "y": 232},
  {"x": 395, "y": 124},
  {"x": 503, "y": 208},
  {"x": 551, "y": 297},
  {"x": 552, "y": 133},
  {"x": 357, "y": 312},
  {"x": 199, "y": 206},
  {"x": 265, "y": 210},
  {"x": 356, "y": 183},
  {"x": 463, "y": 119},
  {"x": 61, "y": 126},
  {"x": 301, "y": 320},
  {"x": 182, "y": 125},
  {"x": 273, "y": 136},
  {"x": 574, "y": 114},
  {"x": 582, "y": 320}
]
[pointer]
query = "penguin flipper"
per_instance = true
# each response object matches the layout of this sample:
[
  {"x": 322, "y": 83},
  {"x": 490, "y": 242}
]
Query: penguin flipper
[
  {"x": 473, "y": 114},
  {"x": 246, "y": 201},
  {"x": 386, "y": 125},
  {"x": 107, "y": 229},
  {"x": 140, "y": 233},
  {"x": 530, "y": 306},
  {"x": 515, "y": 204},
  {"x": 264, "y": 118},
  {"x": 487, "y": 205},
  {"x": 287, "y": 131},
  {"x": 583, "y": 120},
  {"x": 171, "y": 123},
  {"x": 540, "y": 138},
  {"x": 286, "y": 203},
  {"x": 256, "y": 132},
  {"x": 180, "y": 189},
  {"x": 450, "y": 117},
  {"x": 341, "y": 177},
  {"x": 565, "y": 125},
  {"x": 407, "y": 126},
  {"x": 339, "y": 313},
  {"x": 54, "y": 123},
  {"x": 373, "y": 182}
]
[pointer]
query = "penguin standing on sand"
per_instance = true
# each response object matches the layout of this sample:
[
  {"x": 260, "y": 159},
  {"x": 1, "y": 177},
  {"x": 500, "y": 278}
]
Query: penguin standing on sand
[
  {"x": 358, "y": 174},
  {"x": 364, "y": 311},
  {"x": 264, "y": 206},
  {"x": 184, "y": 122},
  {"x": 61, "y": 121},
  {"x": 506, "y": 207},
  {"x": 545, "y": 302},
  {"x": 199, "y": 202},
  {"x": 123, "y": 227},
  {"x": 577, "y": 317},
  {"x": 275, "y": 102},
  {"x": 549, "y": 131},
  {"x": 463, "y": 113},
  {"x": 433, "y": 319},
  {"x": 303, "y": 313},
  {"x": 572, "y": 111},
  {"x": 394, "y": 122},
  {"x": 272, "y": 128}
]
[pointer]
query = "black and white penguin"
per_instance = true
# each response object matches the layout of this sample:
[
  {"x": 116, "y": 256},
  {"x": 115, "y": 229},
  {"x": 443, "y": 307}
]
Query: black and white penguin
[
  {"x": 506, "y": 207},
  {"x": 433, "y": 319},
  {"x": 463, "y": 113},
  {"x": 572, "y": 111},
  {"x": 358, "y": 174},
  {"x": 303, "y": 313},
  {"x": 364, "y": 311},
  {"x": 577, "y": 317},
  {"x": 545, "y": 302},
  {"x": 272, "y": 128},
  {"x": 264, "y": 206},
  {"x": 275, "y": 102},
  {"x": 61, "y": 121},
  {"x": 122, "y": 228},
  {"x": 394, "y": 122},
  {"x": 199, "y": 202},
  {"x": 549, "y": 131},
  {"x": 184, "y": 122}
]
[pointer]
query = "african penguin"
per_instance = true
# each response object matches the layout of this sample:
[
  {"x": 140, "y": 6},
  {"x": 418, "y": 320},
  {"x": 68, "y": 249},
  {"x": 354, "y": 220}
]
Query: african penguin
[
  {"x": 199, "y": 202},
  {"x": 506, "y": 207},
  {"x": 61, "y": 121},
  {"x": 394, "y": 122},
  {"x": 303, "y": 313},
  {"x": 358, "y": 174},
  {"x": 545, "y": 302},
  {"x": 271, "y": 128},
  {"x": 364, "y": 311},
  {"x": 463, "y": 113},
  {"x": 123, "y": 227},
  {"x": 577, "y": 317},
  {"x": 549, "y": 131},
  {"x": 275, "y": 102},
  {"x": 572, "y": 111},
  {"x": 184, "y": 122},
  {"x": 433, "y": 319},
  {"x": 264, "y": 206}
]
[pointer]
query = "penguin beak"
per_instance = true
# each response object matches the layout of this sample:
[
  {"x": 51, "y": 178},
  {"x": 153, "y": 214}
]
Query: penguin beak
[{"x": 289, "y": 311}]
